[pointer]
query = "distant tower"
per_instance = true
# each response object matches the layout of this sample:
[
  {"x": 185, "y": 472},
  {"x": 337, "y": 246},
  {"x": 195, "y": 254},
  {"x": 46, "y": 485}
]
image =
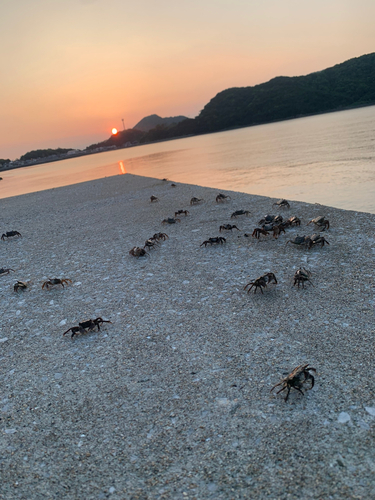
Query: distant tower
[{"x": 123, "y": 124}]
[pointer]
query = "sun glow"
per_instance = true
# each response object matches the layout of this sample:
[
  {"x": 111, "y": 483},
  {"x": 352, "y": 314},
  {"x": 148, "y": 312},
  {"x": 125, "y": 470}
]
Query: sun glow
[{"x": 114, "y": 131}]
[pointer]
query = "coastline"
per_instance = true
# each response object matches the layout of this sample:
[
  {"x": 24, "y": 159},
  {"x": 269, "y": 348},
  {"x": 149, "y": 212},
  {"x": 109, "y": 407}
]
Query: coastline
[
  {"x": 173, "y": 399},
  {"x": 88, "y": 153}
]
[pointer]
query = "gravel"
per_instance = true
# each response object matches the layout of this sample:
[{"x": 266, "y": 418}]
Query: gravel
[{"x": 172, "y": 400}]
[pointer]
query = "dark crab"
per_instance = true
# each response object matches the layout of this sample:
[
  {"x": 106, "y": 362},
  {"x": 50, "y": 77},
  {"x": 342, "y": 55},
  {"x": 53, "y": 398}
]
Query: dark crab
[
  {"x": 195, "y": 201},
  {"x": 10, "y": 234},
  {"x": 153, "y": 199},
  {"x": 55, "y": 281},
  {"x": 258, "y": 231},
  {"x": 301, "y": 276},
  {"x": 159, "y": 236},
  {"x": 321, "y": 222},
  {"x": 181, "y": 212},
  {"x": 150, "y": 243},
  {"x": 228, "y": 227},
  {"x": 281, "y": 203},
  {"x": 170, "y": 220},
  {"x": 218, "y": 240},
  {"x": 261, "y": 282},
  {"x": 239, "y": 212},
  {"x": 138, "y": 252},
  {"x": 222, "y": 197},
  {"x": 316, "y": 239},
  {"x": 300, "y": 241},
  {"x": 20, "y": 286},
  {"x": 270, "y": 219},
  {"x": 296, "y": 379},
  {"x": 278, "y": 229},
  {"x": 5, "y": 271},
  {"x": 293, "y": 221},
  {"x": 86, "y": 326}
]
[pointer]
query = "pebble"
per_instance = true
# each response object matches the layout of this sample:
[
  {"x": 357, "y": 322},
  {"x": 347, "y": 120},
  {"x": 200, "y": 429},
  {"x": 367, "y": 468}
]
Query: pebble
[
  {"x": 343, "y": 418},
  {"x": 370, "y": 410}
]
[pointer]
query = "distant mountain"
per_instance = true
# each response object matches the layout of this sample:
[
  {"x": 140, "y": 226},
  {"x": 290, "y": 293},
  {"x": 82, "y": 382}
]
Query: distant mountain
[
  {"x": 38, "y": 154},
  {"x": 152, "y": 121}
]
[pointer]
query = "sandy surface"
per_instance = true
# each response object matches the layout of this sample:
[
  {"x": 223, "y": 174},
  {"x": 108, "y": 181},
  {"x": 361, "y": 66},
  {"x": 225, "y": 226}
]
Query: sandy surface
[{"x": 173, "y": 399}]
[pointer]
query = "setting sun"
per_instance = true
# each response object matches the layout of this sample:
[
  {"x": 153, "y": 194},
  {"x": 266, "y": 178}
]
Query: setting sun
[{"x": 114, "y": 131}]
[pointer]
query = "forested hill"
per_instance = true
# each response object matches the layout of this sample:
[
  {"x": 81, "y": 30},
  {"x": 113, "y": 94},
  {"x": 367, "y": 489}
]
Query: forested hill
[
  {"x": 349, "y": 84},
  {"x": 346, "y": 85},
  {"x": 152, "y": 121}
]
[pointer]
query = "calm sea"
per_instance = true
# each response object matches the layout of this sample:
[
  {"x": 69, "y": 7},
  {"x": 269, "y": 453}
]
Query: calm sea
[{"x": 327, "y": 159}]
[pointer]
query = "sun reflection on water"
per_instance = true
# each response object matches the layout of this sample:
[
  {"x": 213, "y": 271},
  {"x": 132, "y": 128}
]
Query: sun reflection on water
[{"x": 122, "y": 167}]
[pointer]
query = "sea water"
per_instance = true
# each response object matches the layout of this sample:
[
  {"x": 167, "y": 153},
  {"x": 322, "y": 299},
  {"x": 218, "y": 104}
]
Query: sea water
[{"x": 327, "y": 159}]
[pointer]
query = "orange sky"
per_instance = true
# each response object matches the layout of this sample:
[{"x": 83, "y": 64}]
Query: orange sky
[{"x": 72, "y": 69}]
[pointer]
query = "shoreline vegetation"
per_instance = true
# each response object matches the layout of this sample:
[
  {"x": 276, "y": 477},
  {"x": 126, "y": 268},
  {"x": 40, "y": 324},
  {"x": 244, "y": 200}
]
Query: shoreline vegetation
[
  {"x": 172, "y": 399},
  {"x": 348, "y": 85}
]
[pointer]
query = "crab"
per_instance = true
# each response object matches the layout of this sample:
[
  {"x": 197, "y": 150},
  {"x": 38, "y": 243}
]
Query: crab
[
  {"x": 228, "y": 227},
  {"x": 316, "y": 239},
  {"x": 159, "y": 236},
  {"x": 222, "y": 197},
  {"x": 153, "y": 199},
  {"x": 86, "y": 326},
  {"x": 270, "y": 219},
  {"x": 212, "y": 241},
  {"x": 20, "y": 285},
  {"x": 180, "y": 212},
  {"x": 321, "y": 222},
  {"x": 195, "y": 201},
  {"x": 258, "y": 231},
  {"x": 138, "y": 252},
  {"x": 173, "y": 185},
  {"x": 261, "y": 282},
  {"x": 10, "y": 234},
  {"x": 296, "y": 379},
  {"x": 239, "y": 212},
  {"x": 281, "y": 204},
  {"x": 293, "y": 221},
  {"x": 150, "y": 243},
  {"x": 170, "y": 220},
  {"x": 55, "y": 281},
  {"x": 278, "y": 229},
  {"x": 300, "y": 240},
  {"x": 301, "y": 276},
  {"x": 5, "y": 271}
]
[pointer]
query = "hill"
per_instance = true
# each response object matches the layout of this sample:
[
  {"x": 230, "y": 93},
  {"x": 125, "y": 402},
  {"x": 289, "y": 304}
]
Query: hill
[
  {"x": 121, "y": 139},
  {"x": 150, "y": 122},
  {"x": 350, "y": 84},
  {"x": 346, "y": 85}
]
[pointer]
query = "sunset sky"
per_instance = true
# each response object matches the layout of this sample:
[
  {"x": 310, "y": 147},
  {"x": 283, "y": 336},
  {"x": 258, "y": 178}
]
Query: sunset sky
[{"x": 72, "y": 69}]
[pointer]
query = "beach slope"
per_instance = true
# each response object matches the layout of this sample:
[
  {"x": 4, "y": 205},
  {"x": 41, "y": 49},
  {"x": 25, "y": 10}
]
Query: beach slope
[{"x": 172, "y": 399}]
